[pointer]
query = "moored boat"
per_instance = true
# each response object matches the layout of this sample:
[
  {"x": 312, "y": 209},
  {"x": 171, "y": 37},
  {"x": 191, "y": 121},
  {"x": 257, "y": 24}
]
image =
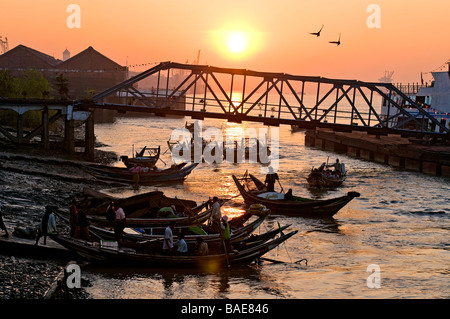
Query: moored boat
[
  {"x": 200, "y": 214},
  {"x": 141, "y": 160},
  {"x": 298, "y": 206},
  {"x": 100, "y": 251},
  {"x": 174, "y": 173}
]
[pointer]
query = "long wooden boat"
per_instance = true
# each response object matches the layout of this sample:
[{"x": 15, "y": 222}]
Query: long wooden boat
[
  {"x": 98, "y": 251},
  {"x": 175, "y": 173},
  {"x": 132, "y": 235},
  {"x": 298, "y": 207},
  {"x": 201, "y": 214},
  {"x": 141, "y": 160},
  {"x": 142, "y": 205},
  {"x": 240, "y": 239}
]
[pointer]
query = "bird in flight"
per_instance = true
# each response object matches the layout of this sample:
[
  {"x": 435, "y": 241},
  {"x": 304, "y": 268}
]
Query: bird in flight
[
  {"x": 318, "y": 33},
  {"x": 338, "y": 42}
]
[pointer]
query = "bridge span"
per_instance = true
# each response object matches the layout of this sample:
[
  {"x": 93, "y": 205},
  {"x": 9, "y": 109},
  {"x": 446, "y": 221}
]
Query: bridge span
[
  {"x": 236, "y": 95},
  {"x": 270, "y": 98}
]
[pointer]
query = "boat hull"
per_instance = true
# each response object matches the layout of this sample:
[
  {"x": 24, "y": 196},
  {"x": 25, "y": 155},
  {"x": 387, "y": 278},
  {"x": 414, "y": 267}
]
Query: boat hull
[
  {"x": 299, "y": 207},
  {"x": 123, "y": 175},
  {"x": 131, "y": 257}
]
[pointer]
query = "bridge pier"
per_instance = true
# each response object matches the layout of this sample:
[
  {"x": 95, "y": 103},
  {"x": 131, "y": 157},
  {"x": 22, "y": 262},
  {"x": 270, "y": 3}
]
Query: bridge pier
[{"x": 22, "y": 135}]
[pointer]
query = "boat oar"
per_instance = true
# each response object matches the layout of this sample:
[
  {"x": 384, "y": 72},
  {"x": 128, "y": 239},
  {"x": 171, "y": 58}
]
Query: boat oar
[
  {"x": 283, "y": 262},
  {"x": 226, "y": 252},
  {"x": 282, "y": 190},
  {"x": 162, "y": 161}
]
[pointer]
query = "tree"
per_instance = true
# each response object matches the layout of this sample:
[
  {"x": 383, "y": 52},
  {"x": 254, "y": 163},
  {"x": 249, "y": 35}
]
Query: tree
[
  {"x": 8, "y": 84},
  {"x": 32, "y": 84},
  {"x": 63, "y": 86}
]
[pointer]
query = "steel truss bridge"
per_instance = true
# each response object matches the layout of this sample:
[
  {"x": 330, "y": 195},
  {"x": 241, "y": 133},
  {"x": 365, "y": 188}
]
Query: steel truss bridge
[{"x": 271, "y": 98}]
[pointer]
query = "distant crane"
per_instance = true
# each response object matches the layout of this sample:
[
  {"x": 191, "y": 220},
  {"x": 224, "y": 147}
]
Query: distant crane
[
  {"x": 198, "y": 58},
  {"x": 4, "y": 47}
]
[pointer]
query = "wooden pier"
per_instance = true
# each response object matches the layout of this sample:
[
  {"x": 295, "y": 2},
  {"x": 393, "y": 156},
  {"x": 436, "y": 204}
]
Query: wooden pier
[
  {"x": 50, "y": 111},
  {"x": 411, "y": 154}
]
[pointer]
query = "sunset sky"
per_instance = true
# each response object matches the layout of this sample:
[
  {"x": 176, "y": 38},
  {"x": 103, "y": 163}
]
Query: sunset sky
[{"x": 268, "y": 35}]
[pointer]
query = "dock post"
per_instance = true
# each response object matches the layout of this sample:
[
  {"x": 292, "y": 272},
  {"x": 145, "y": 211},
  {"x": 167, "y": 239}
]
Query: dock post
[
  {"x": 69, "y": 136},
  {"x": 89, "y": 137}
]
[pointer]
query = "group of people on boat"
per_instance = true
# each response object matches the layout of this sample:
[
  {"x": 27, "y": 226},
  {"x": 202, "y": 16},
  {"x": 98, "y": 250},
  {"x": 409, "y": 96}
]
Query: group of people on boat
[{"x": 339, "y": 169}]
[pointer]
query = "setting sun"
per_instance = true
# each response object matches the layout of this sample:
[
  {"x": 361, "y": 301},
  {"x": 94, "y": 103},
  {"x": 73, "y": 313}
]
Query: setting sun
[{"x": 237, "y": 41}]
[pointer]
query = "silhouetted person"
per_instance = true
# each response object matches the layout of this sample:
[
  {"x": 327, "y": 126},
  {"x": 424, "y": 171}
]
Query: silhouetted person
[
  {"x": 270, "y": 180},
  {"x": 288, "y": 195},
  {"x": 47, "y": 225}
]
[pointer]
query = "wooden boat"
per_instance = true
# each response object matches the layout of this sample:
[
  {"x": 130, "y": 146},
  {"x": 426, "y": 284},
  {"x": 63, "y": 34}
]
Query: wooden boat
[
  {"x": 240, "y": 239},
  {"x": 101, "y": 251},
  {"x": 158, "y": 233},
  {"x": 174, "y": 173},
  {"x": 141, "y": 160},
  {"x": 324, "y": 179},
  {"x": 143, "y": 205},
  {"x": 200, "y": 214},
  {"x": 297, "y": 207},
  {"x": 320, "y": 177}
]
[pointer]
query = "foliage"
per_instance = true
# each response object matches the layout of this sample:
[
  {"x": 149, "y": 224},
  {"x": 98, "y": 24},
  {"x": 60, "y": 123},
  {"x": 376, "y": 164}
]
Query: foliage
[
  {"x": 62, "y": 85},
  {"x": 30, "y": 84}
]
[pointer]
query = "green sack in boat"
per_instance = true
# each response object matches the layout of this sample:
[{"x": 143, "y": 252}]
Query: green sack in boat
[{"x": 197, "y": 230}]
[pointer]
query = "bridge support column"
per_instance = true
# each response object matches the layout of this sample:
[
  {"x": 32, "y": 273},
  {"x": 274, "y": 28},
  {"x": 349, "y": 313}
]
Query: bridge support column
[{"x": 69, "y": 138}]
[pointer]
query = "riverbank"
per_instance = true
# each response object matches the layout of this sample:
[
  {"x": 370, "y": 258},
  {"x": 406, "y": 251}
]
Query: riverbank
[{"x": 31, "y": 179}]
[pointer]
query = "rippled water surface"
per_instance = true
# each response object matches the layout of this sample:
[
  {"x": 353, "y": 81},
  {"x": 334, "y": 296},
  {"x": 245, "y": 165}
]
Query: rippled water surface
[{"x": 400, "y": 223}]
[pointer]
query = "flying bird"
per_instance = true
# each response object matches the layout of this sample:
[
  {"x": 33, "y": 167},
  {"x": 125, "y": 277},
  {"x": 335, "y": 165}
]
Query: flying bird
[
  {"x": 338, "y": 42},
  {"x": 318, "y": 33}
]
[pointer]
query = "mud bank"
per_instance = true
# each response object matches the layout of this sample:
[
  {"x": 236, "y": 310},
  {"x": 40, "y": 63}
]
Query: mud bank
[{"x": 30, "y": 180}]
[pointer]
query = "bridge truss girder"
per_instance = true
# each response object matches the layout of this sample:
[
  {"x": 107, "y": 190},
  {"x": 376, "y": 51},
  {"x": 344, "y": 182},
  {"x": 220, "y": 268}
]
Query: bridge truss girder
[{"x": 303, "y": 100}]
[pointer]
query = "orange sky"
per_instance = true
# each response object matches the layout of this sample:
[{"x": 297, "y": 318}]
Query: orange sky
[{"x": 413, "y": 38}]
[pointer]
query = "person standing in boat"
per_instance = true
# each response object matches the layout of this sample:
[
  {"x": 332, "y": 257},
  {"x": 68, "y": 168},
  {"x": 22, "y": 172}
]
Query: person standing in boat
[
  {"x": 119, "y": 223},
  {"x": 216, "y": 216},
  {"x": 225, "y": 234},
  {"x": 271, "y": 177},
  {"x": 47, "y": 225},
  {"x": 168, "y": 239}
]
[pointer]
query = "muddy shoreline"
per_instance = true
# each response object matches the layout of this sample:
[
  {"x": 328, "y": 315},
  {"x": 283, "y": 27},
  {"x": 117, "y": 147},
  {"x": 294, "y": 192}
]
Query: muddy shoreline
[{"x": 30, "y": 179}]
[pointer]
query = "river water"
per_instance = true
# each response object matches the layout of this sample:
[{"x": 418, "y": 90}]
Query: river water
[{"x": 399, "y": 228}]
